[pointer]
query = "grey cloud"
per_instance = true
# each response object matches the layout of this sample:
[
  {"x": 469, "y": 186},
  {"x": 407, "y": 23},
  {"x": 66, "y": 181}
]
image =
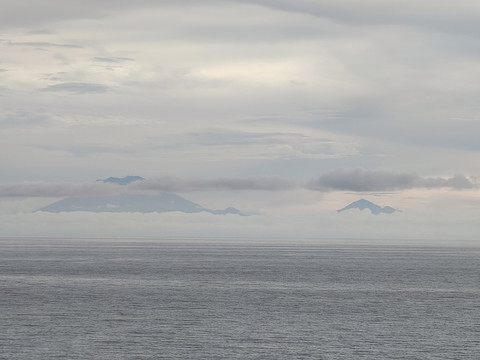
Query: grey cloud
[
  {"x": 147, "y": 186},
  {"x": 411, "y": 127},
  {"x": 112, "y": 59},
  {"x": 232, "y": 137},
  {"x": 461, "y": 16},
  {"x": 43, "y": 44},
  {"x": 77, "y": 88},
  {"x": 457, "y": 182},
  {"x": 180, "y": 185},
  {"x": 360, "y": 180},
  {"x": 58, "y": 190},
  {"x": 253, "y": 33},
  {"x": 255, "y": 145},
  {"x": 44, "y": 12},
  {"x": 426, "y": 13},
  {"x": 86, "y": 150},
  {"x": 453, "y": 133},
  {"x": 179, "y": 81},
  {"x": 355, "y": 180},
  {"x": 40, "y": 32},
  {"x": 23, "y": 119},
  {"x": 363, "y": 180}
]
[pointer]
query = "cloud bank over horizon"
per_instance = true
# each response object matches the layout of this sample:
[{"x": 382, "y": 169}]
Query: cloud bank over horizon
[{"x": 357, "y": 180}]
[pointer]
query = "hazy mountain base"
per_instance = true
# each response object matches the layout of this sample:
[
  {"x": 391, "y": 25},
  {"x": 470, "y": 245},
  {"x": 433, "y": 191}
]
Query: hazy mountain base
[
  {"x": 323, "y": 224},
  {"x": 162, "y": 202}
]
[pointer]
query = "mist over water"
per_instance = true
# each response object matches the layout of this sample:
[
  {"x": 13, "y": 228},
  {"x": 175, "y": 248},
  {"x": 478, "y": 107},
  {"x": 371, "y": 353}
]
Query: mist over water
[{"x": 185, "y": 299}]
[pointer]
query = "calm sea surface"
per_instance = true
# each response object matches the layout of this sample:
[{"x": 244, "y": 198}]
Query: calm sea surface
[{"x": 198, "y": 299}]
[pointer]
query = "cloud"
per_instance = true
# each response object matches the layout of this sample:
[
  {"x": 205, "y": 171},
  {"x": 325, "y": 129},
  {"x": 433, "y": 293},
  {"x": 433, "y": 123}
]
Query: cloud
[
  {"x": 457, "y": 182},
  {"x": 48, "y": 12},
  {"x": 257, "y": 33},
  {"x": 231, "y": 137},
  {"x": 455, "y": 128},
  {"x": 220, "y": 184},
  {"x": 423, "y": 13},
  {"x": 23, "y": 119},
  {"x": 77, "y": 88},
  {"x": 59, "y": 190},
  {"x": 264, "y": 144},
  {"x": 360, "y": 180},
  {"x": 166, "y": 183},
  {"x": 40, "y": 32},
  {"x": 43, "y": 44},
  {"x": 340, "y": 180},
  {"x": 112, "y": 59},
  {"x": 85, "y": 149}
]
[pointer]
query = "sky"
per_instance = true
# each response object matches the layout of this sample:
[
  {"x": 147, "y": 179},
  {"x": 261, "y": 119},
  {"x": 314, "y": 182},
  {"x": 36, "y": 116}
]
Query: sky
[{"x": 286, "y": 110}]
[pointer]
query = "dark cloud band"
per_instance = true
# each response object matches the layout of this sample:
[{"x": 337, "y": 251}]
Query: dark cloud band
[
  {"x": 231, "y": 184},
  {"x": 358, "y": 180}
]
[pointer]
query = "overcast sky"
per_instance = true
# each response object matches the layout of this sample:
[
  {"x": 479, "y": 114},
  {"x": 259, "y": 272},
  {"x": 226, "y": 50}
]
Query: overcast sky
[{"x": 286, "y": 109}]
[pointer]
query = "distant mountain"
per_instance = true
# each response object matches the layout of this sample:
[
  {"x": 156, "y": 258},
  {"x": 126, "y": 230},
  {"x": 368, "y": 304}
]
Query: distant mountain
[
  {"x": 365, "y": 204},
  {"x": 122, "y": 181},
  {"x": 162, "y": 202}
]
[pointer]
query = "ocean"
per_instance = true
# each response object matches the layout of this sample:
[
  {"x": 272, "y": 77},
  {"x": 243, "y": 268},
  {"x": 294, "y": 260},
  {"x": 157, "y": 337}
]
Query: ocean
[{"x": 237, "y": 299}]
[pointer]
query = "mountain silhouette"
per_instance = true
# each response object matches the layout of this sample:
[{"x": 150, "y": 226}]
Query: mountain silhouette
[
  {"x": 122, "y": 181},
  {"x": 365, "y": 204},
  {"x": 143, "y": 203}
]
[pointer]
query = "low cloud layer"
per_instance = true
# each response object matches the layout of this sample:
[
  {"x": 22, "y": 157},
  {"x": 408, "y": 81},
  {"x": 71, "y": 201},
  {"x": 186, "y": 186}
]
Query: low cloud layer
[
  {"x": 166, "y": 183},
  {"x": 59, "y": 190},
  {"x": 221, "y": 184},
  {"x": 360, "y": 180},
  {"x": 357, "y": 180}
]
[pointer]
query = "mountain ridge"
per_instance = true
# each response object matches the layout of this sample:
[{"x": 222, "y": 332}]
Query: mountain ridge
[
  {"x": 163, "y": 202},
  {"x": 122, "y": 181},
  {"x": 144, "y": 203},
  {"x": 363, "y": 204}
]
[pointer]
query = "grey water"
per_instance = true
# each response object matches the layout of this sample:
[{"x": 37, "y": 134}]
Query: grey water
[{"x": 201, "y": 299}]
